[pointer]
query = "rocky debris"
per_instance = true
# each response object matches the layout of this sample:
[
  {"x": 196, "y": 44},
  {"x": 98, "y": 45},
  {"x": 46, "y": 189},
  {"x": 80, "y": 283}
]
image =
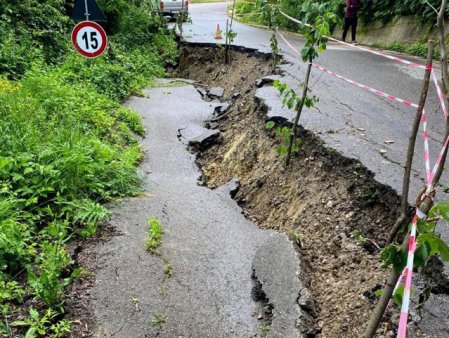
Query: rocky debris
[
  {"x": 267, "y": 80},
  {"x": 235, "y": 96},
  {"x": 221, "y": 109},
  {"x": 211, "y": 125},
  {"x": 207, "y": 139},
  {"x": 202, "y": 91},
  {"x": 276, "y": 267},
  {"x": 233, "y": 186},
  {"x": 216, "y": 92}
]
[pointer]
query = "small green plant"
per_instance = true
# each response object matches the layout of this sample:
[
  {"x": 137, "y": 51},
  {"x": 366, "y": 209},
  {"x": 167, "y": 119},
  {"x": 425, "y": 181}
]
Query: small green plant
[
  {"x": 11, "y": 291},
  {"x": 265, "y": 330},
  {"x": 428, "y": 244},
  {"x": 370, "y": 197},
  {"x": 155, "y": 233},
  {"x": 159, "y": 319},
  {"x": 285, "y": 134},
  {"x": 274, "y": 50},
  {"x": 230, "y": 36},
  {"x": 135, "y": 302},
  {"x": 42, "y": 325},
  {"x": 296, "y": 236},
  {"x": 168, "y": 270},
  {"x": 315, "y": 33},
  {"x": 358, "y": 237}
]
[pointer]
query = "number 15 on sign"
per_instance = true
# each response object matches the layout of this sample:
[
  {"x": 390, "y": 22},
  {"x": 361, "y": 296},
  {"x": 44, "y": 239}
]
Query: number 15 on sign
[{"x": 89, "y": 39}]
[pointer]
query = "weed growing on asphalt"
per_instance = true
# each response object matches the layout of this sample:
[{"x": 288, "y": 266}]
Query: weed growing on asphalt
[
  {"x": 155, "y": 232},
  {"x": 265, "y": 330},
  {"x": 159, "y": 319},
  {"x": 135, "y": 302},
  {"x": 168, "y": 270},
  {"x": 168, "y": 267}
]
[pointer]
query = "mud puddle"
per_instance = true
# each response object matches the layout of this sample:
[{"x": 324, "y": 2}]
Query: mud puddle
[{"x": 331, "y": 205}]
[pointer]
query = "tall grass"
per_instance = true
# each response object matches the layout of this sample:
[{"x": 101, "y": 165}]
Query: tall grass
[{"x": 67, "y": 146}]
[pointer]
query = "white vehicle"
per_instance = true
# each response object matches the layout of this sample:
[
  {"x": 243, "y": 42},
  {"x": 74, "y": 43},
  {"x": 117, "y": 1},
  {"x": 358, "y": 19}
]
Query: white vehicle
[{"x": 173, "y": 7}]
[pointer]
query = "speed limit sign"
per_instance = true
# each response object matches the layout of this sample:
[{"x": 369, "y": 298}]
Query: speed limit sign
[{"x": 89, "y": 39}]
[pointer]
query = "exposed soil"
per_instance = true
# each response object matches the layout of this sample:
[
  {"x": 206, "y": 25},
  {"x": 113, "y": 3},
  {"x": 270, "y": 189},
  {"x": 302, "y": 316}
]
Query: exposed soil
[{"x": 340, "y": 212}]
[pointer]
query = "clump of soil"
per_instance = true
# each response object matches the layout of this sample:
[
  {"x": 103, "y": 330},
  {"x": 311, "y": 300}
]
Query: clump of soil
[{"x": 341, "y": 213}]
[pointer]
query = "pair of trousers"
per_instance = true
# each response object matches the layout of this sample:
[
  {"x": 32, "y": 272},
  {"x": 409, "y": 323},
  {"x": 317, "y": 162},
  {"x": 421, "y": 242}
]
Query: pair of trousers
[{"x": 350, "y": 22}]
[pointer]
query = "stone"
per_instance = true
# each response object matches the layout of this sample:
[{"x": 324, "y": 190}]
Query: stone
[
  {"x": 267, "y": 80},
  {"x": 205, "y": 140},
  {"x": 216, "y": 92},
  {"x": 221, "y": 109}
]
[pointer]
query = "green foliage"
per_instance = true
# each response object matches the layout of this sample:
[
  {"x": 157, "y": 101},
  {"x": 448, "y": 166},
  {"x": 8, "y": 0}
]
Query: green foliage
[
  {"x": 392, "y": 255},
  {"x": 11, "y": 291},
  {"x": 43, "y": 325},
  {"x": 418, "y": 49},
  {"x": 285, "y": 134},
  {"x": 384, "y": 10},
  {"x": 31, "y": 30},
  {"x": 155, "y": 233},
  {"x": 159, "y": 319},
  {"x": 67, "y": 145},
  {"x": 274, "y": 49},
  {"x": 428, "y": 244}
]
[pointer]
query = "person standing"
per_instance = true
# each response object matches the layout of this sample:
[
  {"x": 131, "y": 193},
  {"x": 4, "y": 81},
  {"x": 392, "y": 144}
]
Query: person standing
[{"x": 352, "y": 7}]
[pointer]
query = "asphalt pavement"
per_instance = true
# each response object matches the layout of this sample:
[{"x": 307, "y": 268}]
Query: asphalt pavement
[
  {"x": 356, "y": 123},
  {"x": 207, "y": 241}
]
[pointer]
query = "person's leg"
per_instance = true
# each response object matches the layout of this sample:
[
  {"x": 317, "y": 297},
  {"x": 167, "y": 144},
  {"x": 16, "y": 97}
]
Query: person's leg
[
  {"x": 354, "y": 28},
  {"x": 346, "y": 28}
]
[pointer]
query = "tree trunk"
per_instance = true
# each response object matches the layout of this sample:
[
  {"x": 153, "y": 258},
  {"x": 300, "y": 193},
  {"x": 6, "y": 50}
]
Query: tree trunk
[
  {"x": 298, "y": 113},
  {"x": 425, "y": 207},
  {"x": 411, "y": 148}
]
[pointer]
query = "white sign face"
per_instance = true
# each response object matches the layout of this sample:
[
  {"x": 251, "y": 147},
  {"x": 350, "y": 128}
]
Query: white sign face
[{"x": 89, "y": 39}]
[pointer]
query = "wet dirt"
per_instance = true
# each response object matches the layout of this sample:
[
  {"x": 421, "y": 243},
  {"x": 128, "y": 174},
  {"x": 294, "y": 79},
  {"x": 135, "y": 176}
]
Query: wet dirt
[{"x": 333, "y": 204}]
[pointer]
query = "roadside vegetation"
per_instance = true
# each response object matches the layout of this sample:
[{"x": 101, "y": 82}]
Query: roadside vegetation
[
  {"x": 67, "y": 146},
  {"x": 384, "y": 10}
]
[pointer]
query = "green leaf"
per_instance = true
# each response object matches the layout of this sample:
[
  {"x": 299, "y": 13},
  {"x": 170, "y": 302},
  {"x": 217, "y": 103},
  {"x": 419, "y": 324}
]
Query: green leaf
[
  {"x": 421, "y": 255},
  {"x": 443, "y": 210},
  {"x": 378, "y": 293},
  {"x": 31, "y": 333},
  {"x": 398, "y": 295},
  {"x": 270, "y": 124},
  {"x": 444, "y": 250}
]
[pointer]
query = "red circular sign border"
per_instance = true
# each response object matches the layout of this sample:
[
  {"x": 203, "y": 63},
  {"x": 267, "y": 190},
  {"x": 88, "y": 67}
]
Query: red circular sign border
[{"x": 104, "y": 37}]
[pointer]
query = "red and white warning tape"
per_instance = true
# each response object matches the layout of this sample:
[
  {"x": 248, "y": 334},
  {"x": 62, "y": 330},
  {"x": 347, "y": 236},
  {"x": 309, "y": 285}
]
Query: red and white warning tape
[
  {"x": 390, "y": 57},
  {"x": 393, "y": 58},
  {"x": 440, "y": 94},
  {"x": 406, "y": 275},
  {"x": 352, "y": 82}
]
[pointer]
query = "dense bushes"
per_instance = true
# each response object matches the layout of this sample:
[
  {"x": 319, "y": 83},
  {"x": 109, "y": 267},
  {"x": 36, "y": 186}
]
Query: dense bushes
[{"x": 66, "y": 145}]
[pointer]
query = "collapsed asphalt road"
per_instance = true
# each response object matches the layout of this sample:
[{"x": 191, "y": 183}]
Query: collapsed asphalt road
[
  {"x": 356, "y": 123},
  {"x": 200, "y": 285}
]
